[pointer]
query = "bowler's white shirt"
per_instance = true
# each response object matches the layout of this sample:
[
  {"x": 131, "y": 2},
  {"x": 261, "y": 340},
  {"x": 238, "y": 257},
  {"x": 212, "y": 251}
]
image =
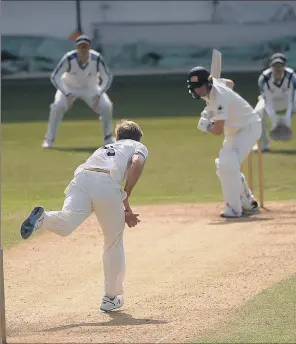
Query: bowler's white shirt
[
  {"x": 70, "y": 74},
  {"x": 225, "y": 104},
  {"x": 115, "y": 157}
]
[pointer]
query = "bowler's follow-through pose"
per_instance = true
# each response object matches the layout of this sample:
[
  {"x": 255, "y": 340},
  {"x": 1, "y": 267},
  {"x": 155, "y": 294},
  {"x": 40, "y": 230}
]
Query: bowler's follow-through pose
[
  {"x": 277, "y": 86},
  {"x": 227, "y": 111},
  {"x": 78, "y": 75},
  {"x": 97, "y": 187}
]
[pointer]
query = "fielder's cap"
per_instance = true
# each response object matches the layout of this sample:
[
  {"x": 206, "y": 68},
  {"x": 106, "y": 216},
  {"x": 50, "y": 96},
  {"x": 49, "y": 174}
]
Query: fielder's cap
[
  {"x": 83, "y": 39},
  {"x": 277, "y": 58},
  {"x": 197, "y": 77}
]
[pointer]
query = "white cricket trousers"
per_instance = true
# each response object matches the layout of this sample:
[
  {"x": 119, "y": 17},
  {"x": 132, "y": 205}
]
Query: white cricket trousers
[
  {"x": 60, "y": 106},
  {"x": 235, "y": 150},
  {"x": 279, "y": 107},
  {"x": 94, "y": 191}
]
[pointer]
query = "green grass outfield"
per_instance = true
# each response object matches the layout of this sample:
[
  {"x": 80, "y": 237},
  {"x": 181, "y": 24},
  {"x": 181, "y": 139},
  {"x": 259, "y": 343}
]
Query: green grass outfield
[
  {"x": 181, "y": 163},
  {"x": 268, "y": 318}
]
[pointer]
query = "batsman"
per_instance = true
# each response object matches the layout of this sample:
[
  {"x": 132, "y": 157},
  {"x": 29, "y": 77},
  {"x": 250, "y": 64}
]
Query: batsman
[{"x": 226, "y": 111}]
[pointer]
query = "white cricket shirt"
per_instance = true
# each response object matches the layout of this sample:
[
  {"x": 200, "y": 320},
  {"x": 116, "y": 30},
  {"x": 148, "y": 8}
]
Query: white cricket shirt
[
  {"x": 115, "y": 157},
  {"x": 278, "y": 94},
  {"x": 226, "y": 104},
  {"x": 69, "y": 73}
]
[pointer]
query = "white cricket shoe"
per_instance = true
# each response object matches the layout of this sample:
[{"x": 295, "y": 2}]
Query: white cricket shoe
[
  {"x": 33, "y": 222},
  {"x": 110, "y": 303},
  {"x": 253, "y": 208},
  {"x": 47, "y": 144},
  {"x": 229, "y": 213}
]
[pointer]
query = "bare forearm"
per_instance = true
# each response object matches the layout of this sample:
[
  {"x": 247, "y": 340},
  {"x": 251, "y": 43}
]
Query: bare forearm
[
  {"x": 214, "y": 130},
  {"x": 133, "y": 175},
  {"x": 217, "y": 127},
  {"x": 126, "y": 205}
]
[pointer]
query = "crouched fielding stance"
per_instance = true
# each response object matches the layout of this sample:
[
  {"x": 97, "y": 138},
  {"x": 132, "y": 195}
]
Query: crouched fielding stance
[
  {"x": 227, "y": 111},
  {"x": 77, "y": 75},
  {"x": 277, "y": 86},
  {"x": 97, "y": 187}
]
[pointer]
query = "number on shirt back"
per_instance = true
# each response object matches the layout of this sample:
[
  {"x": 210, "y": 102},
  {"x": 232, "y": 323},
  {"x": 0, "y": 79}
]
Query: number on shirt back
[{"x": 109, "y": 150}]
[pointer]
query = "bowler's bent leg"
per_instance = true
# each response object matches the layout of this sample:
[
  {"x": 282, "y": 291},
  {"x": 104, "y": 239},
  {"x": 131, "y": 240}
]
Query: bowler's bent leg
[{"x": 76, "y": 209}]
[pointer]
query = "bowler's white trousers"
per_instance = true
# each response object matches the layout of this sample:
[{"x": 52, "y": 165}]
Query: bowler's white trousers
[
  {"x": 235, "y": 149},
  {"x": 94, "y": 191}
]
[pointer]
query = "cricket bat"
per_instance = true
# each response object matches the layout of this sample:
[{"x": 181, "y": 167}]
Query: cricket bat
[{"x": 216, "y": 66}]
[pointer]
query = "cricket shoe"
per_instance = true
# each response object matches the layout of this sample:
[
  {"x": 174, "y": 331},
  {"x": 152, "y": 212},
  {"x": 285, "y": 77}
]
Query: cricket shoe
[
  {"x": 33, "y": 222},
  {"x": 252, "y": 209},
  {"x": 111, "y": 303},
  {"x": 229, "y": 213},
  {"x": 47, "y": 144}
]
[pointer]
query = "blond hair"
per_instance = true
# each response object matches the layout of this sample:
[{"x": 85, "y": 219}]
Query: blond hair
[{"x": 128, "y": 130}]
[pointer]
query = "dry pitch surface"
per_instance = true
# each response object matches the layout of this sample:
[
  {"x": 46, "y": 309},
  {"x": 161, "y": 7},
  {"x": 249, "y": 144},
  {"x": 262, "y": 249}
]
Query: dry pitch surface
[{"x": 186, "y": 270}]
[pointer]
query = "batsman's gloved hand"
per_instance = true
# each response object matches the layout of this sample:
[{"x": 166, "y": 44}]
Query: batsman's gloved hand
[
  {"x": 207, "y": 114},
  {"x": 204, "y": 124},
  {"x": 204, "y": 114}
]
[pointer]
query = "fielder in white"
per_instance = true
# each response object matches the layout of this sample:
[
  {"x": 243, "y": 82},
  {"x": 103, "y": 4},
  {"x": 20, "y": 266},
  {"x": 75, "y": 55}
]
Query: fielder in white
[
  {"x": 277, "y": 86},
  {"x": 81, "y": 73},
  {"x": 227, "y": 111},
  {"x": 96, "y": 187}
]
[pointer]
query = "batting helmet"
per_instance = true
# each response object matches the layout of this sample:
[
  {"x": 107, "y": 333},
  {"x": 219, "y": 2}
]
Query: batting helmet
[{"x": 197, "y": 77}]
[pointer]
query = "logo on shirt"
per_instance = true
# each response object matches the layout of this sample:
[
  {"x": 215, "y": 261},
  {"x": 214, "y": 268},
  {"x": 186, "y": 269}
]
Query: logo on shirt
[{"x": 220, "y": 108}]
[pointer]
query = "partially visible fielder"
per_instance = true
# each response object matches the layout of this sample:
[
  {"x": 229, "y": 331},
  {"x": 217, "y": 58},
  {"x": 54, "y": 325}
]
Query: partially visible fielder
[
  {"x": 97, "y": 187},
  {"x": 227, "y": 111},
  {"x": 78, "y": 75},
  {"x": 277, "y": 86}
]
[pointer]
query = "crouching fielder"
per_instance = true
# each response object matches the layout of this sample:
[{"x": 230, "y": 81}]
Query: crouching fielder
[
  {"x": 97, "y": 187},
  {"x": 227, "y": 111},
  {"x": 78, "y": 75},
  {"x": 277, "y": 86}
]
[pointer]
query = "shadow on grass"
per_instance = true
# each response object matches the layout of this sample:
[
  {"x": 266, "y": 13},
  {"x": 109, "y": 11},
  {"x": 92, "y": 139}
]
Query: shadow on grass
[
  {"x": 116, "y": 319},
  {"x": 282, "y": 151},
  {"x": 76, "y": 149}
]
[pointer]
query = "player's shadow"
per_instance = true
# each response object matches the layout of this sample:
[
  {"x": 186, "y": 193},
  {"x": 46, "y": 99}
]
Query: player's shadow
[
  {"x": 76, "y": 149},
  {"x": 282, "y": 151},
  {"x": 116, "y": 319},
  {"x": 245, "y": 218}
]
